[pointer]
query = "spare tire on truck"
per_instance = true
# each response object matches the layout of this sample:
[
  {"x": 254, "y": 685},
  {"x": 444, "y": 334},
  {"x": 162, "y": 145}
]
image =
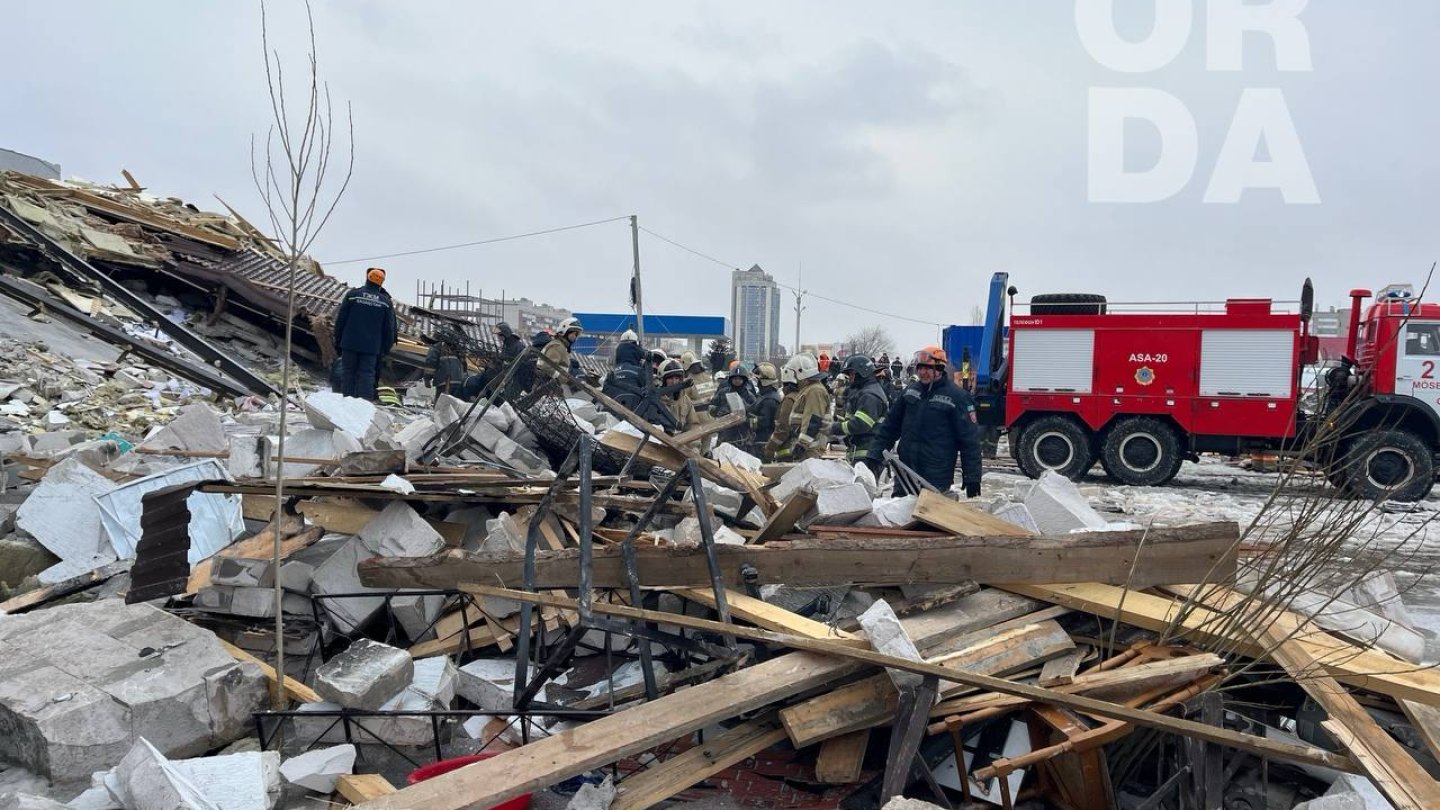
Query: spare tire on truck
[{"x": 1067, "y": 304}]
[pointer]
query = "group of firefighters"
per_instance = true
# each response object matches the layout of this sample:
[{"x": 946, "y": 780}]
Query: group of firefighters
[{"x": 791, "y": 413}]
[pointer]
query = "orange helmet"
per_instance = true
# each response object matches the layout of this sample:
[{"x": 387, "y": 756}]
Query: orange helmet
[
  {"x": 932, "y": 356},
  {"x": 824, "y": 362},
  {"x": 375, "y": 275}
]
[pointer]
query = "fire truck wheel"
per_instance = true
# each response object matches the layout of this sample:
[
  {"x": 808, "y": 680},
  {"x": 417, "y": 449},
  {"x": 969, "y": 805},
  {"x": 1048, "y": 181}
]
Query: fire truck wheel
[
  {"x": 1393, "y": 464},
  {"x": 1141, "y": 452},
  {"x": 1067, "y": 304},
  {"x": 1054, "y": 443}
]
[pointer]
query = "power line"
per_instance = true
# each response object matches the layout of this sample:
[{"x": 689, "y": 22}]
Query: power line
[
  {"x": 729, "y": 266},
  {"x": 480, "y": 242}
]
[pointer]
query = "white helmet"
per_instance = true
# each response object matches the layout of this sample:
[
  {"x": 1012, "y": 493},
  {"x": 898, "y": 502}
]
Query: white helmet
[
  {"x": 569, "y": 325},
  {"x": 804, "y": 366},
  {"x": 628, "y": 336},
  {"x": 787, "y": 375}
]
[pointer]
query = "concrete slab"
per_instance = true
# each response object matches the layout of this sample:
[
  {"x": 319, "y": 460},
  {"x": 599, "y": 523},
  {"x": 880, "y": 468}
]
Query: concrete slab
[
  {"x": 319, "y": 769},
  {"x": 360, "y": 418},
  {"x": 399, "y": 531},
  {"x": 1058, "y": 507},
  {"x": 197, "y": 427},
  {"x": 61, "y": 514},
  {"x": 365, "y": 676}
]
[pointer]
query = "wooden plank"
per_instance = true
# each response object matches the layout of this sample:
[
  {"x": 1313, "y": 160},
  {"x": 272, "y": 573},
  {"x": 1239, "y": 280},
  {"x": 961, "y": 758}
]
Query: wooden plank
[
  {"x": 363, "y": 787},
  {"x": 544, "y": 762},
  {"x": 1260, "y": 746},
  {"x": 874, "y": 701},
  {"x": 1167, "y": 555},
  {"x": 1371, "y": 670},
  {"x": 709, "y": 429},
  {"x": 957, "y": 518},
  {"x": 659, "y": 782},
  {"x": 1126, "y": 679},
  {"x": 1426, "y": 720},
  {"x": 40, "y": 596},
  {"x": 841, "y": 758},
  {"x": 1393, "y": 770},
  {"x": 294, "y": 687},
  {"x": 783, "y": 519},
  {"x": 763, "y": 614},
  {"x": 1060, "y": 671}
]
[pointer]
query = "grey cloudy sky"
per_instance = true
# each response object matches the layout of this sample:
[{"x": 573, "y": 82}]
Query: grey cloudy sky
[{"x": 901, "y": 151}]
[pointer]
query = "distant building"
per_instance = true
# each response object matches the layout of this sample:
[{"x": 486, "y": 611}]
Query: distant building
[
  {"x": 754, "y": 314},
  {"x": 528, "y": 317},
  {"x": 11, "y": 161}
]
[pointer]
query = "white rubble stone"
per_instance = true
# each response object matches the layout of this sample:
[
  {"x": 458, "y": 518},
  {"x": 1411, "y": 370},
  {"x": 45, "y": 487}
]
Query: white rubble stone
[
  {"x": 365, "y": 676},
  {"x": 396, "y": 483},
  {"x": 474, "y": 519},
  {"x": 840, "y": 506},
  {"x": 902, "y": 803},
  {"x": 360, "y": 418},
  {"x": 309, "y": 443},
  {"x": 29, "y": 801},
  {"x": 417, "y": 614},
  {"x": 721, "y": 499},
  {"x": 594, "y": 797},
  {"x": 197, "y": 427},
  {"x": 318, "y": 770},
  {"x": 1337, "y": 801},
  {"x": 246, "y": 457},
  {"x": 1057, "y": 506},
  {"x": 866, "y": 478},
  {"x": 894, "y": 512},
  {"x": 731, "y": 454},
  {"x": 503, "y": 535},
  {"x": 490, "y": 683},
  {"x": 888, "y": 636},
  {"x": 95, "y": 798},
  {"x": 1019, "y": 514},
  {"x": 815, "y": 473},
  {"x": 420, "y": 394},
  {"x": 399, "y": 531},
  {"x": 414, "y": 436},
  {"x": 448, "y": 409},
  {"x": 80, "y": 683},
  {"x": 337, "y": 573},
  {"x": 51, "y": 442},
  {"x": 1380, "y": 591},
  {"x": 62, "y": 515},
  {"x": 432, "y": 689},
  {"x": 249, "y": 781}
]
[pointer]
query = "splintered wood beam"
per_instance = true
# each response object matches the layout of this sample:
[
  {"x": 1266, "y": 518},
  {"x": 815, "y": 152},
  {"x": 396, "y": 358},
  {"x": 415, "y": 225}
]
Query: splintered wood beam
[
  {"x": 783, "y": 519},
  {"x": 840, "y": 758},
  {"x": 936, "y": 510},
  {"x": 1141, "y": 558},
  {"x": 659, "y": 782}
]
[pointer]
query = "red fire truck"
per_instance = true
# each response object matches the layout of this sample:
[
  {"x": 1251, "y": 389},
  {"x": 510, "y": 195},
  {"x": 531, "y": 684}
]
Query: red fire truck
[{"x": 1139, "y": 391}]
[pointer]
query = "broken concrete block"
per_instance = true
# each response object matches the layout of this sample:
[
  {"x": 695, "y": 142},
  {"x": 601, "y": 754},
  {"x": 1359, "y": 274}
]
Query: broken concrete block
[
  {"x": 96, "y": 798},
  {"x": 417, "y": 614},
  {"x": 902, "y": 803},
  {"x": 730, "y": 454},
  {"x": 721, "y": 499},
  {"x": 29, "y": 801},
  {"x": 594, "y": 797},
  {"x": 1057, "y": 506},
  {"x": 308, "y": 443},
  {"x": 840, "y": 506},
  {"x": 1019, "y": 514},
  {"x": 146, "y": 780},
  {"x": 448, "y": 410},
  {"x": 814, "y": 473},
  {"x": 896, "y": 512},
  {"x": 1380, "y": 592},
  {"x": 490, "y": 683},
  {"x": 79, "y": 684},
  {"x": 360, "y": 418},
  {"x": 319, "y": 769},
  {"x": 337, "y": 574},
  {"x": 414, "y": 436},
  {"x": 474, "y": 519},
  {"x": 399, "y": 531},
  {"x": 246, "y": 459},
  {"x": 432, "y": 689},
  {"x": 365, "y": 676},
  {"x": 197, "y": 427},
  {"x": 507, "y": 450},
  {"x": 888, "y": 636},
  {"x": 419, "y": 394},
  {"x": 61, "y": 514},
  {"x": 503, "y": 535},
  {"x": 866, "y": 478},
  {"x": 54, "y": 441}
]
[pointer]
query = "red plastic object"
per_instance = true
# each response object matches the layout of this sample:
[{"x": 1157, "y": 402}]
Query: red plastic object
[{"x": 447, "y": 765}]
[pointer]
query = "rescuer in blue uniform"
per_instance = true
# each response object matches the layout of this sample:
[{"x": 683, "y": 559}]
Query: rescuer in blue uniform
[
  {"x": 365, "y": 331},
  {"x": 934, "y": 420}
]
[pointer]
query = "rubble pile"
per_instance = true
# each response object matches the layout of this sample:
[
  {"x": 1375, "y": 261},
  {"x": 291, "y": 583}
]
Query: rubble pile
[{"x": 549, "y": 591}]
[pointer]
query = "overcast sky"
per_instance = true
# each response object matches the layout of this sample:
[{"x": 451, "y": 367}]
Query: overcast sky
[{"x": 900, "y": 152}]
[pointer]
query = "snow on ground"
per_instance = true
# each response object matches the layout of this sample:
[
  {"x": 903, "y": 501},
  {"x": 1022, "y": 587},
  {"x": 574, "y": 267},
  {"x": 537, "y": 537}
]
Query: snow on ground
[{"x": 1215, "y": 490}]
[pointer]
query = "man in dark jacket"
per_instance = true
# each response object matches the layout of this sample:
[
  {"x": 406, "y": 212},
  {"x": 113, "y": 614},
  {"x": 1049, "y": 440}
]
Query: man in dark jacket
[
  {"x": 865, "y": 405},
  {"x": 766, "y": 407},
  {"x": 365, "y": 330},
  {"x": 934, "y": 420},
  {"x": 738, "y": 383}
]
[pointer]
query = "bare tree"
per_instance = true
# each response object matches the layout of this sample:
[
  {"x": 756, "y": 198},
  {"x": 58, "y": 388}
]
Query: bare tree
[
  {"x": 294, "y": 174},
  {"x": 872, "y": 341}
]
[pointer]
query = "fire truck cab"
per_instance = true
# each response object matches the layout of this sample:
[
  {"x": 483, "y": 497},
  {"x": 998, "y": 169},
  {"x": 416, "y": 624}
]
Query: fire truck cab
[{"x": 1139, "y": 390}]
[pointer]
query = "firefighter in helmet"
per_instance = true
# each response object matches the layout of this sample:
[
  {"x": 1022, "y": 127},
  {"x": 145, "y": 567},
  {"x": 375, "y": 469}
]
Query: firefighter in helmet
[
  {"x": 675, "y": 398},
  {"x": 934, "y": 420},
  {"x": 811, "y": 411},
  {"x": 767, "y": 405},
  {"x": 865, "y": 406},
  {"x": 778, "y": 447}
]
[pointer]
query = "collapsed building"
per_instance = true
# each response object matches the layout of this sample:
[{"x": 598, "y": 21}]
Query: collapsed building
[{"x": 539, "y": 593}]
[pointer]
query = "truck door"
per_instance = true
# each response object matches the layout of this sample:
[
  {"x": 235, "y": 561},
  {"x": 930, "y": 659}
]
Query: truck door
[{"x": 1415, "y": 364}]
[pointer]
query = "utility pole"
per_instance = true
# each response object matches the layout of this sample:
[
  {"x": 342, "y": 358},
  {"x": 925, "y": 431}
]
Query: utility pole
[
  {"x": 799, "y": 308},
  {"x": 635, "y": 280}
]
